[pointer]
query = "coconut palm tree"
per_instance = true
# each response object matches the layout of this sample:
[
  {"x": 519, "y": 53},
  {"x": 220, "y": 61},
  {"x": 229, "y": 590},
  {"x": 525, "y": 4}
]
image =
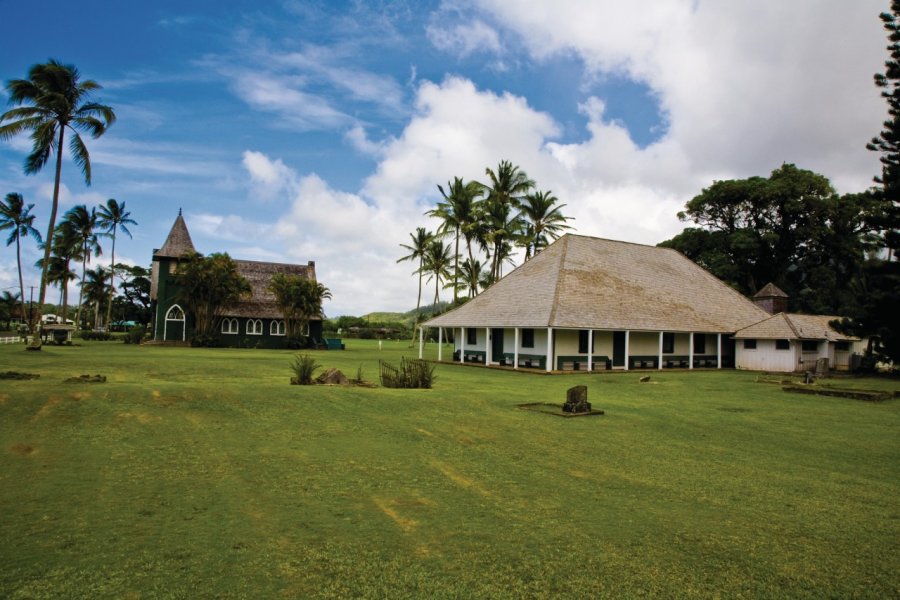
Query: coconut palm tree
[
  {"x": 417, "y": 247},
  {"x": 52, "y": 100},
  {"x": 542, "y": 220},
  {"x": 111, "y": 218},
  {"x": 501, "y": 225},
  {"x": 66, "y": 248},
  {"x": 505, "y": 193},
  {"x": 459, "y": 215},
  {"x": 473, "y": 276},
  {"x": 8, "y": 303},
  {"x": 95, "y": 287},
  {"x": 84, "y": 224},
  {"x": 16, "y": 216},
  {"x": 436, "y": 263}
]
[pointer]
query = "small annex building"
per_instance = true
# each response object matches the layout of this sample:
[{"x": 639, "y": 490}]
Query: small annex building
[
  {"x": 256, "y": 322},
  {"x": 790, "y": 342},
  {"x": 587, "y": 303}
]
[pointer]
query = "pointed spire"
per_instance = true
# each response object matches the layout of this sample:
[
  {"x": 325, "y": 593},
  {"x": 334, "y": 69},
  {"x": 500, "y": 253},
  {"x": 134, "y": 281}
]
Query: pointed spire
[{"x": 179, "y": 241}]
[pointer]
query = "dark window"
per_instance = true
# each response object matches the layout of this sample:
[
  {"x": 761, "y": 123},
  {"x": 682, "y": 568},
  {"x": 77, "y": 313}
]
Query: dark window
[
  {"x": 842, "y": 346},
  {"x": 699, "y": 344},
  {"x": 471, "y": 336},
  {"x": 668, "y": 343},
  {"x": 528, "y": 338},
  {"x": 749, "y": 344},
  {"x": 782, "y": 344},
  {"x": 810, "y": 346},
  {"x": 583, "y": 341}
]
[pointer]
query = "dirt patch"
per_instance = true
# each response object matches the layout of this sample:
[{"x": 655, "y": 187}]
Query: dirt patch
[
  {"x": 17, "y": 375},
  {"x": 48, "y": 406},
  {"x": 22, "y": 449}
]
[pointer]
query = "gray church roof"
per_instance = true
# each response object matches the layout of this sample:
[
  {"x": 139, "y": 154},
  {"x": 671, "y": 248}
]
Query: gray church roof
[{"x": 581, "y": 282}]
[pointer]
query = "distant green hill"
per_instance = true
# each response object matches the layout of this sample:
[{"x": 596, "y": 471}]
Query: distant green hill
[{"x": 406, "y": 318}]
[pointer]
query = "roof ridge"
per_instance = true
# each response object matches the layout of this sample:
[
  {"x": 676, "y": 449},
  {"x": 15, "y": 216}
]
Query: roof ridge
[
  {"x": 790, "y": 323},
  {"x": 565, "y": 249}
]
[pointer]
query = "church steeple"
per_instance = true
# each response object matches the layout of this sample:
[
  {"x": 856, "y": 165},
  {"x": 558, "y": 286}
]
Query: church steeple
[{"x": 179, "y": 241}]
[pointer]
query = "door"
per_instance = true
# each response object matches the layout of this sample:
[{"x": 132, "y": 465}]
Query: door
[
  {"x": 618, "y": 349},
  {"x": 497, "y": 345}
]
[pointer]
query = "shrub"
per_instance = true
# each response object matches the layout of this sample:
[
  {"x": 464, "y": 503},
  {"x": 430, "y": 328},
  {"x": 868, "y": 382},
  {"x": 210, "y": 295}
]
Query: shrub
[
  {"x": 202, "y": 340},
  {"x": 304, "y": 366},
  {"x": 412, "y": 374},
  {"x": 135, "y": 335},
  {"x": 96, "y": 336},
  {"x": 296, "y": 342}
]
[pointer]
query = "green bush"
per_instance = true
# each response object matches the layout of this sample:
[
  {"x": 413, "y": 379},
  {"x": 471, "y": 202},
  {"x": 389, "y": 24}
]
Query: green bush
[
  {"x": 304, "y": 366},
  {"x": 201, "y": 340},
  {"x": 135, "y": 335}
]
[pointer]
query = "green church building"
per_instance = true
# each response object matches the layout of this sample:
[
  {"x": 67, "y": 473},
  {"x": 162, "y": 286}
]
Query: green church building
[{"x": 254, "y": 323}]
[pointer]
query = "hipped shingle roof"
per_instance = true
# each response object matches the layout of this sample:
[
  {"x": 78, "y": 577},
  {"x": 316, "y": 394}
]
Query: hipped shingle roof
[{"x": 581, "y": 282}]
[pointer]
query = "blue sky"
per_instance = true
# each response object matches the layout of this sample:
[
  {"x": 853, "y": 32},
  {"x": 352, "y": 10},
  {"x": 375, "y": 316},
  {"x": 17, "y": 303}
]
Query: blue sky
[{"x": 296, "y": 131}]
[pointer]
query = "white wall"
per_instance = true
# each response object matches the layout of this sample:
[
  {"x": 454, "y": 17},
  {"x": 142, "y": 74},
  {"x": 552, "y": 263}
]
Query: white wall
[{"x": 766, "y": 358}]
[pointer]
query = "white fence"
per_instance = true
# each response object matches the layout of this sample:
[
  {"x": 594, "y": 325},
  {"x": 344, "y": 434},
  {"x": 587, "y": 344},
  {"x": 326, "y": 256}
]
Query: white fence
[{"x": 12, "y": 339}]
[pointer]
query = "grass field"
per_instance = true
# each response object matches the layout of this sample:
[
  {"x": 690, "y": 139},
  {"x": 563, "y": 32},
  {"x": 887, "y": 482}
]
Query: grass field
[{"x": 204, "y": 474}]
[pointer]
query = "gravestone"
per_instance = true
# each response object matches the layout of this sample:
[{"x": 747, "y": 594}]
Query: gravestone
[{"x": 576, "y": 400}]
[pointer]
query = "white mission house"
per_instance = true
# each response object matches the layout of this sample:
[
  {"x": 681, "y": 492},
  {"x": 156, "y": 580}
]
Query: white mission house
[{"x": 594, "y": 304}]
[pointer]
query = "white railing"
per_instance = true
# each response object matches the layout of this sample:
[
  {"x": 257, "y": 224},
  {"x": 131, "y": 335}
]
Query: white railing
[{"x": 12, "y": 339}]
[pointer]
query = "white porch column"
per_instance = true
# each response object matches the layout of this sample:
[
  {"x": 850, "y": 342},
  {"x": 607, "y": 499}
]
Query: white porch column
[
  {"x": 487, "y": 346},
  {"x": 440, "y": 342},
  {"x": 627, "y": 340},
  {"x": 462, "y": 344},
  {"x": 719, "y": 351},
  {"x": 516, "y": 350},
  {"x": 421, "y": 341},
  {"x": 660, "y": 349},
  {"x": 590, "y": 350},
  {"x": 691, "y": 351},
  {"x": 549, "y": 361}
]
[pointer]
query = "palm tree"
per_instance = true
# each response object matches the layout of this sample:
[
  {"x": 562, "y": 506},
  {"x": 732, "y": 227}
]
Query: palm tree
[
  {"x": 8, "y": 302},
  {"x": 16, "y": 216},
  {"x": 436, "y": 263},
  {"x": 66, "y": 248},
  {"x": 417, "y": 247},
  {"x": 542, "y": 220},
  {"x": 51, "y": 100},
  {"x": 473, "y": 276},
  {"x": 501, "y": 225},
  {"x": 506, "y": 192},
  {"x": 112, "y": 217},
  {"x": 459, "y": 214},
  {"x": 84, "y": 223},
  {"x": 96, "y": 290}
]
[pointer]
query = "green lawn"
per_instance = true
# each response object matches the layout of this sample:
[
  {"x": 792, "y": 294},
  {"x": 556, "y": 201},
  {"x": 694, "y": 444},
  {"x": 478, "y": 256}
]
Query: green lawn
[{"x": 203, "y": 474}]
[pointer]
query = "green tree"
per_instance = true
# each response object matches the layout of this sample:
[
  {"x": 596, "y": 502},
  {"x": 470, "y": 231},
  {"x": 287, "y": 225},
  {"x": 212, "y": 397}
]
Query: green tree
[
  {"x": 459, "y": 217},
  {"x": 436, "y": 263},
  {"x": 876, "y": 315},
  {"x": 417, "y": 247},
  {"x": 52, "y": 100},
  {"x": 506, "y": 192},
  {"x": 300, "y": 299},
  {"x": 111, "y": 218},
  {"x": 8, "y": 304},
  {"x": 83, "y": 223},
  {"x": 17, "y": 217},
  {"x": 95, "y": 287},
  {"x": 474, "y": 277},
  {"x": 207, "y": 287},
  {"x": 66, "y": 247},
  {"x": 758, "y": 230},
  {"x": 133, "y": 304},
  {"x": 543, "y": 221}
]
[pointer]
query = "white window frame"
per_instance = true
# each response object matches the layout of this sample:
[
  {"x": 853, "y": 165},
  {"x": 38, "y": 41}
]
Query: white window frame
[
  {"x": 230, "y": 326},
  {"x": 254, "y": 327},
  {"x": 276, "y": 327}
]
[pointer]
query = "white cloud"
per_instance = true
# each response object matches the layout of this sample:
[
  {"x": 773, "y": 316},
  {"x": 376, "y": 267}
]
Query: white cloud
[
  {"x": 463, "y": 39},
  {"x": 268, "y": 178}
]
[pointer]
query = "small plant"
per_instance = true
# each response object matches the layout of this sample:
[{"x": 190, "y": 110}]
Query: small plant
[
  {"x": 412, "y": 374},
  {"x": 304, "y": 366},
  {"x": 96, "y": 336},
  {"x": 135, "y": 335}
]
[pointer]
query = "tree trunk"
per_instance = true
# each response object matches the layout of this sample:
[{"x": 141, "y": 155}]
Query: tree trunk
[
  {"x": 36, "y": 338},
  {"x": 22, "y": 283},
  {"x": 112, "y": 278}
]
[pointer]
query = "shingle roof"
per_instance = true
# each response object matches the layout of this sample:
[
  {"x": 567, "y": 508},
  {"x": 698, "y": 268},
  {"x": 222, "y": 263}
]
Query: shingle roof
[
  {"x": 178, "y": 243},
  {"x": 261, "y": 304},
  {"x": 770, "y": 290},
  {"x": 792, "y": 326},
  {"x": 581, "y": 282}
]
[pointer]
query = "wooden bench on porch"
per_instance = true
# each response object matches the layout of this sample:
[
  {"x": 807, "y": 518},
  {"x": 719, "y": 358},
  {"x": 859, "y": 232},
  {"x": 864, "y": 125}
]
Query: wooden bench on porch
[
  {"x": 643, "y": 362},
  {"x": 579, "y": 363},
  {"x": 528, "y": 361}
]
